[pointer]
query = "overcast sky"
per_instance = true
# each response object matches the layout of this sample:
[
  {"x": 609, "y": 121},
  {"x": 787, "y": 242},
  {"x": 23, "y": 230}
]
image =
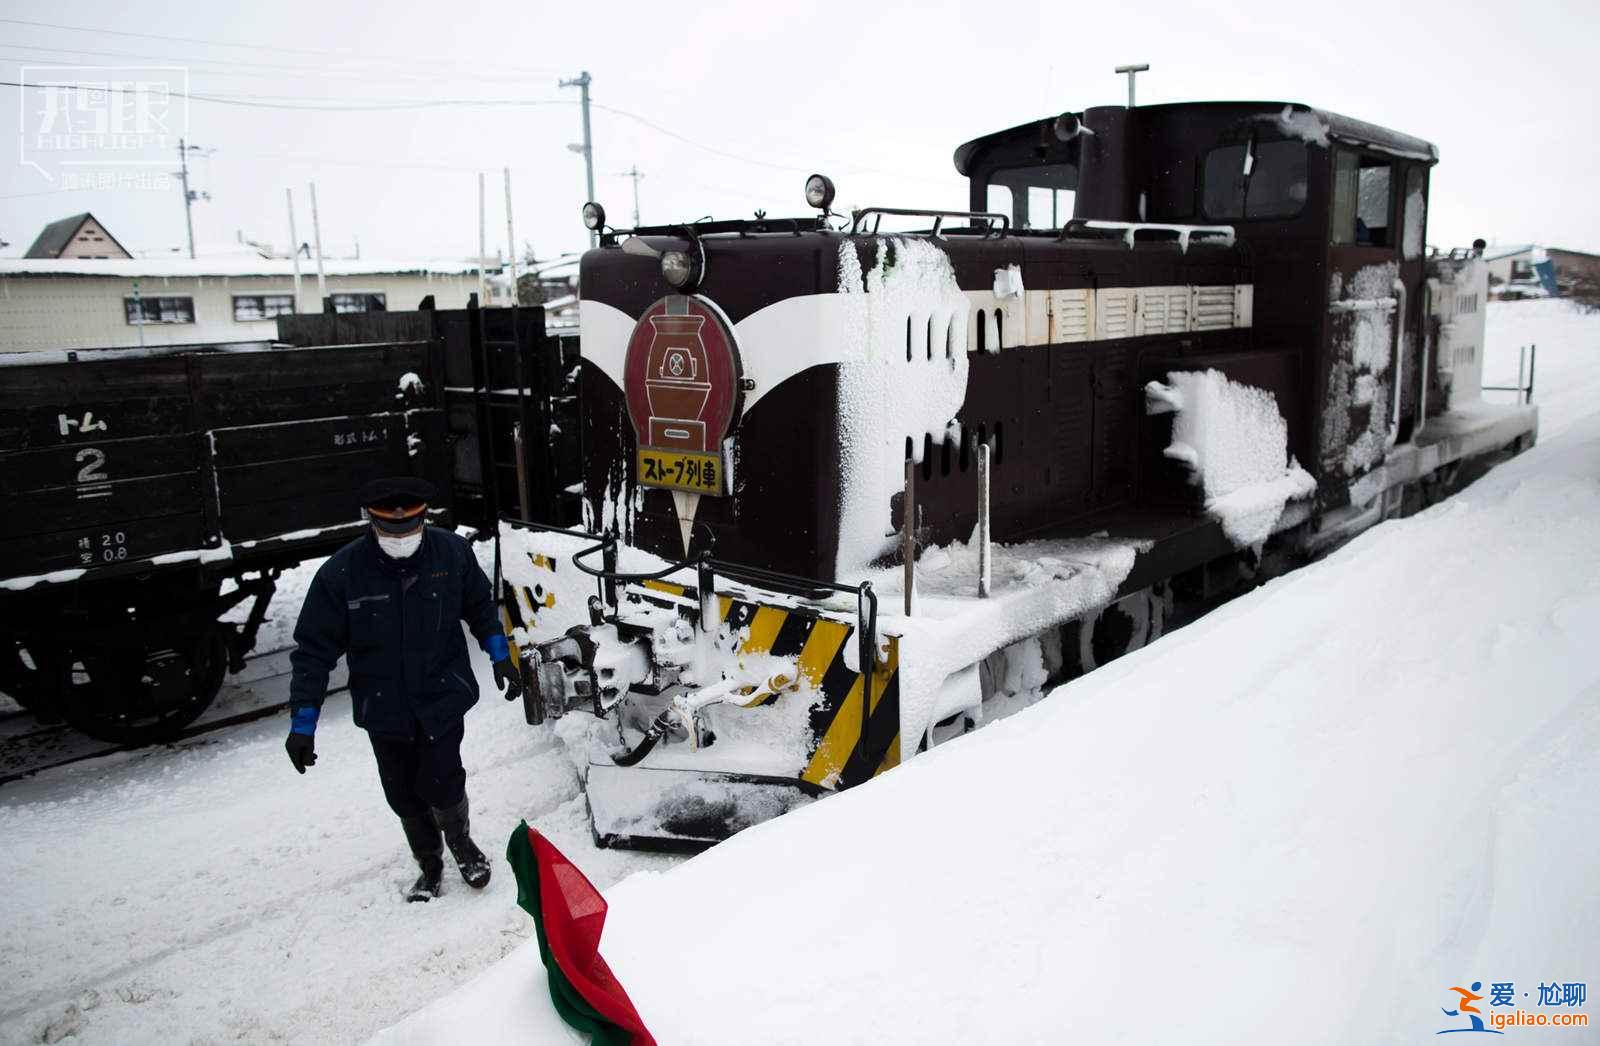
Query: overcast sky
[{"x": 726, "y": 108}]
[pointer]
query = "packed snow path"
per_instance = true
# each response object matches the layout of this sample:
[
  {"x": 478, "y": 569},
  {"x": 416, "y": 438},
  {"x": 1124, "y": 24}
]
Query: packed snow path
[{"x": 211, "y": 893}]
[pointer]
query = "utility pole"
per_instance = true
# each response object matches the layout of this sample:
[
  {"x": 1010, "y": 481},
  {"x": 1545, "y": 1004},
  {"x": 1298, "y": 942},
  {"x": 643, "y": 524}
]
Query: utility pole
[
  {"x": 483, "y": 296},
  {"x": 587, "y": 148},
  {"x": 294, "y": 247},
  {"x": 189, "y": 195},
  {"x": 634, "y": 173},
  {"x": 316, "y": 238},
  {"x": 1132, "y": 71},
  {"x": 511, "y": 240}
]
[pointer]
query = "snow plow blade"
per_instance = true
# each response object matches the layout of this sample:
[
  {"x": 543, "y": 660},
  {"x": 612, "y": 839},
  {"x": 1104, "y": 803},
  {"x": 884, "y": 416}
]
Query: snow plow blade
[{"x": 684, "y": 811}]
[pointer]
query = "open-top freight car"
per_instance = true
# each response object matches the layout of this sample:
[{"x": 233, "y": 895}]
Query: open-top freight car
[
  {"x": 150, "y": 493},
  {"x": 1234, "y": 353}
]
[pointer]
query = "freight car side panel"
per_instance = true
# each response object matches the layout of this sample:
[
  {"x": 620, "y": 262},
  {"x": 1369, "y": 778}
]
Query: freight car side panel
[
  {"x": 112, "y": 462},
  {"x": 100, "y": 465}
]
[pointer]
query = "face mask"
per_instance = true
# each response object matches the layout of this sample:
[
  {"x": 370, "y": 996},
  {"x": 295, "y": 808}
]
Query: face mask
[{"x": 399, "y": 548}]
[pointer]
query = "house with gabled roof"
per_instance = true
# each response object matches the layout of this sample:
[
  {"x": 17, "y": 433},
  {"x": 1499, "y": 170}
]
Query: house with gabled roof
[{"x": 80, "y": 236}]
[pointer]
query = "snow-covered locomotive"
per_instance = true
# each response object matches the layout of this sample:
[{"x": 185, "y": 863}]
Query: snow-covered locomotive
[{"x": 1235, "y": 349}]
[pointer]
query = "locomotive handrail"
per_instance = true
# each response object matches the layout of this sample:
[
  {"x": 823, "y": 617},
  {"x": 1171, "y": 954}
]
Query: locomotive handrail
[
  {"x": 999, "y": 224},
  {"x": 1399, "y": 345}
]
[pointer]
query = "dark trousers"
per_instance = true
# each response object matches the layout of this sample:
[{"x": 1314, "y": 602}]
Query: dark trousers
[{"x": 418, "y": 773}]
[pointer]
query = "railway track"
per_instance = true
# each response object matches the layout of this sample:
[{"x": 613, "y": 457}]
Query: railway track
[{"x": 28, "y": 747}]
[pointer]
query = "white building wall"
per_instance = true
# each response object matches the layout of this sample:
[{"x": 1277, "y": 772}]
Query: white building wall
[
  {"x": 82, "y": 312},
  {"x": 1500, "y": 268}
]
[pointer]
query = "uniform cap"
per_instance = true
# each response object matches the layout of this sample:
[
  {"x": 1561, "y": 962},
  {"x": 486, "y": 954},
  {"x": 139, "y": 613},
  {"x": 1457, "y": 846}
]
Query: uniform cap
[{"x": 396, "y": 492}]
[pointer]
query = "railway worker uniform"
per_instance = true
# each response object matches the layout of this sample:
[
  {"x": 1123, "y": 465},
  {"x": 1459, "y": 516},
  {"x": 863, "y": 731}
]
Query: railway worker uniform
[{"x": 390, "y": 603}]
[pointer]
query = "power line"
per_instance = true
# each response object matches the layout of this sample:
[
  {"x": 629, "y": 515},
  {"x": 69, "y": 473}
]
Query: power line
[
  {"x": 46, "y": 192},
  {"x": 276, "y": 71},
  {"x": 292, "y": 103},
  {"x": 319, "y": 52},
  {"x": 297, "y": 104}
]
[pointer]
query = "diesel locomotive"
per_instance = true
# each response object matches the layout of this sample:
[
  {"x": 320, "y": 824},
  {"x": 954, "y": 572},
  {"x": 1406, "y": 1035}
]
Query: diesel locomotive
[{"x": 844, "y": 488}]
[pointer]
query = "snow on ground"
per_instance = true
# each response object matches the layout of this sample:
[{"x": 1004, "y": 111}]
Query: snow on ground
[
  {"x": 206, "y": 891},
  {"x": 1300, "y": 819}
]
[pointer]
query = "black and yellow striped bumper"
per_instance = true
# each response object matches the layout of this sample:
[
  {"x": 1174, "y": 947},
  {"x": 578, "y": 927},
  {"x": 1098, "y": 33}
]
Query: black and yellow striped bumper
[{"x": 843, "y": 750}]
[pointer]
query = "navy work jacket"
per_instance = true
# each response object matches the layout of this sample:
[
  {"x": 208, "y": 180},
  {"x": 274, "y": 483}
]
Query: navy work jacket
[{"x": 396, "y": 623}]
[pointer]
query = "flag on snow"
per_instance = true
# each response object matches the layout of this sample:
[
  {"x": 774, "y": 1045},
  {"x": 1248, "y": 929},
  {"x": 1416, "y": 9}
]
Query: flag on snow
[{"x": 569, "y": 914}]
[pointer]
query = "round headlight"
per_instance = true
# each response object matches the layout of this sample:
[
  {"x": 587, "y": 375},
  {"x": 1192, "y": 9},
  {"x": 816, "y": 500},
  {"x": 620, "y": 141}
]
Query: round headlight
[
  {"x": 594, "y": 216},
  {"x": 677, "y": 268},
  {"x": 819, "y": 191}
]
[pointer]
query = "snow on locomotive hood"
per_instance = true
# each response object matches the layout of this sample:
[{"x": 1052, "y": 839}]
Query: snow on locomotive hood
[
  {"x": 898, "y": 331},
  {"x": 903, "y": 377}
]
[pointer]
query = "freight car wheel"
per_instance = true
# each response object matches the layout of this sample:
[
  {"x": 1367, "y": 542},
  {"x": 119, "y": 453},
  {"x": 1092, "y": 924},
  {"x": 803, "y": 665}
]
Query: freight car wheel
[
  {"x": 22, "y": 680},
  {"x": 134, "y": 697}
]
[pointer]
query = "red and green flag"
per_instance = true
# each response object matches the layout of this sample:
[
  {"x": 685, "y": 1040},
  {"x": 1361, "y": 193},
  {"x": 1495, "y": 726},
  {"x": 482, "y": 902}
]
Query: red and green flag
[{"x": 569, "y": 914}]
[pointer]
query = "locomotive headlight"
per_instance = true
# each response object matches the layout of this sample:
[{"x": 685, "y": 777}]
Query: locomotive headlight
[
  {"x": 594, "y": 216},
  {"x": 677, "y": 268},
  {"x": 819, "y": 191}
]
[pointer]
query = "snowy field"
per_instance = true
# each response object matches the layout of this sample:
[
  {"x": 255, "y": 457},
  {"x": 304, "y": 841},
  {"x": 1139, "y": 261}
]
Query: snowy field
[{"x": 1300, "y": 819}]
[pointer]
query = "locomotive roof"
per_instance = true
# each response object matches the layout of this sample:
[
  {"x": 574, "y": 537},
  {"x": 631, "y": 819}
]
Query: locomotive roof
[{"x": 1295, "y": 119}]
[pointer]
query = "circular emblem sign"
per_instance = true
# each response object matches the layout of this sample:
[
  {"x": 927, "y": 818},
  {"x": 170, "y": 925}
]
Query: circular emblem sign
[{"x": 681, "y": 376}]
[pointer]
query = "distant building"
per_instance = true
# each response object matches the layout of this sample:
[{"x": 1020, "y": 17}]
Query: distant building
[
  {"x": 79, "y": 236},
  {"x": 557, "y": 293},
  {"x": 1527, "y": 270},
  {"x": 81, "y": 303}
]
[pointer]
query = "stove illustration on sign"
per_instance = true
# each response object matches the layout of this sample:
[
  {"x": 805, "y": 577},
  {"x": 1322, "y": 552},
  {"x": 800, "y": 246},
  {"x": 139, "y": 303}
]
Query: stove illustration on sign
[{"x": 681, "y": 377}]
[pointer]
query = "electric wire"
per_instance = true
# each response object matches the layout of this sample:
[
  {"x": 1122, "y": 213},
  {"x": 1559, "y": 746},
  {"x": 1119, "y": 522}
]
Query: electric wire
[{"x": 318, "y": 52}]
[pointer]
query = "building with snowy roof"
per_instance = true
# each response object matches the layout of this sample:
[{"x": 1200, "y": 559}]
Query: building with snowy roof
[
  {"x": 118, "y": 302},
  {"x": 1529, "y": 270}
]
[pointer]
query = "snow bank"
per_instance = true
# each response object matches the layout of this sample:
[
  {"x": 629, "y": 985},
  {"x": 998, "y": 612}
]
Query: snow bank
[
  {"x": 903, "y": 376},
  {"x": 1236, "y": 444},
  {"x": 1320, "y": 787}
]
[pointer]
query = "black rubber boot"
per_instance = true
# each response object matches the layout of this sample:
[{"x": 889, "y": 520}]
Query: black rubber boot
[
  {"x": 423, "y": 835},
  {"x": 474, "y": 866}
]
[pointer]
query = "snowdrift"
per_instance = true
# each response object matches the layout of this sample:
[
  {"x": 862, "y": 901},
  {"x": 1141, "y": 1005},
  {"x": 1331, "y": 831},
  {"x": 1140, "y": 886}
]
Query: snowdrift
[{"x": 1300, "y": 819}]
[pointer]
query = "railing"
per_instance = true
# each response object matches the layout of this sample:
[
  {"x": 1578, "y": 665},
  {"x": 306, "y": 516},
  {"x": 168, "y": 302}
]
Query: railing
[
  {"x": 996, "y": 224},
  {"x": 1527, "y": 356}
]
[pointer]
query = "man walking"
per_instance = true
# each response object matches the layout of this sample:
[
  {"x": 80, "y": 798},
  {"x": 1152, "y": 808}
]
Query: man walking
[{"x": 391, "y": 603}]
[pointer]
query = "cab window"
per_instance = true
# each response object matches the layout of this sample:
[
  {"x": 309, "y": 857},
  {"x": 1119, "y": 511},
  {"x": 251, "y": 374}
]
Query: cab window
[
  {"x": 1363, "y": 200},
  {"x": 1416, "y": 214},
  {"x": 1039, "y": 196},
  {"x": 1254, "y": 180}
]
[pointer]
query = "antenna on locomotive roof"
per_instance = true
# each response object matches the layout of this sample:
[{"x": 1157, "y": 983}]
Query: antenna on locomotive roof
[{"x": 1132, "y": 71}]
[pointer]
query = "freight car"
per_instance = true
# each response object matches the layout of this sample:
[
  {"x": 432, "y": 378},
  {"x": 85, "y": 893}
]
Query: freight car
[
  {"x": 150, "y": 493},
  {"x": 1234, "y": 353}
]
